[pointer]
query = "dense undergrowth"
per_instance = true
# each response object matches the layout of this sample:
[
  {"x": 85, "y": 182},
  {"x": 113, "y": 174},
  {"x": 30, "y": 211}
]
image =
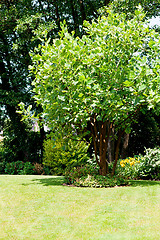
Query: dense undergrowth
[
  {"x": 23, "y": 168},
  {"x": 83, "y": 172}
]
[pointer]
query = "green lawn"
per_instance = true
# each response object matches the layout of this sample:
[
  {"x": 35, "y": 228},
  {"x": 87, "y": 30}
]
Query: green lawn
[{"x": 39, "y": 207}]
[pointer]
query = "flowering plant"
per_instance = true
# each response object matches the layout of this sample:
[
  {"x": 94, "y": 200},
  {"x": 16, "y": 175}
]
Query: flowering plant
[
  {"x": 128, "y": 167},
  {"x": 131, "y": 161}
]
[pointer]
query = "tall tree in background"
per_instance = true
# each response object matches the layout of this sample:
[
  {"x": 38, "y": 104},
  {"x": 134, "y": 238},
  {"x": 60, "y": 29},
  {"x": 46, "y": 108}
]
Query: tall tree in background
[{"x": 20, "y": 24}]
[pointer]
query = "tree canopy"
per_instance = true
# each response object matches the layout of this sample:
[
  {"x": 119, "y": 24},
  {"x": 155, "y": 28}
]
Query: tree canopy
[
  {"x": 103, "y": 78},
  {"x": 23, "y": 25}
]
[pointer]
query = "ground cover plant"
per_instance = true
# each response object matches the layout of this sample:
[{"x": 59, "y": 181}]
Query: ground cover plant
[{"x": 40, "y": 207}]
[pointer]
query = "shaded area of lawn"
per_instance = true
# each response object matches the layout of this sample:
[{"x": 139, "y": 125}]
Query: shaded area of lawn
[
  {"x": 143, "y": 183},
  {"x": 59, "y": 181},
  {"x": 48, "y": 181}
]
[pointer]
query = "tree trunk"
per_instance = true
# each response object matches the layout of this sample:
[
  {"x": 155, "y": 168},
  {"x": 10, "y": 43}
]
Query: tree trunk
[
  {"x": 76, "y": 28},
  {"x": 103, "y": 149},
  {"x": 125, "y": 146},
  {"x": 103, "y": 166},
  {"x": 42, "y": 137},
  {"x": 111, "y": 147},
  {"x": 117, "y": 151},
  {"x": 100, "y": 140},
  {"x": 57, "y": 17},
  {"x": 106, "y": 2},
  {"x": 82, "y": 9}
]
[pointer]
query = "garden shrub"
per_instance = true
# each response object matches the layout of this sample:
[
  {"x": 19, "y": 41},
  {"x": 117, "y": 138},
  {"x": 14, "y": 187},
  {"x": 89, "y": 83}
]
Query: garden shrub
[
  {"x": 28, "y": 169},
  {"x": 25, "y": 147},
  {"x": 99, "y": 181},
  {"x": 2, "y": 167},
  {"x": 40, "y": 169},
  {"x": 87, "y": 176},
  {"x": 141, "y": 167},
  {"x": 21, "y": 168},
  {"x": 149, "y": 167},
  {"x": 13, "y": 167},
  {"x": 73, "y": 174},
  {"x": 59, "y": 155},
  {"x": 35, "y": 169}
]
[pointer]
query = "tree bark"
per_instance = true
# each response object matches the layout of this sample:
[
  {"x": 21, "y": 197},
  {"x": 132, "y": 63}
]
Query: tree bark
[
  {"x": 103, "y": 150},
  {"x": 111, "y": 147},
  {"x": 101, "y": 132},
  {"x": 74, "y": 18},
  {"x": 106, "y": 2},
  {"x": 125, "y": 146},
  {"x": 117, "y": 151},
  {"x": 57, "y": 16},
  {"x": 82, "y": 9}
]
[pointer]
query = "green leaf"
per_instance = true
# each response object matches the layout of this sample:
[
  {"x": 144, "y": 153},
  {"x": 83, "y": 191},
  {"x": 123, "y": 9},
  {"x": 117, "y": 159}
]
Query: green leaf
[
  {"x": 142, "y": 87},
  {"x": 62, "y": 98}
]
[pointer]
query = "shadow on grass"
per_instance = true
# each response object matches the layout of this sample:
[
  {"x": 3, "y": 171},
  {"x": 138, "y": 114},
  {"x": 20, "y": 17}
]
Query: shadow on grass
[
  {"x": 55, "y": 181},
  {"x": 59, "y": 181},
  {"x": 143, "y": 183},
  {"x": 51, "y": 181}
]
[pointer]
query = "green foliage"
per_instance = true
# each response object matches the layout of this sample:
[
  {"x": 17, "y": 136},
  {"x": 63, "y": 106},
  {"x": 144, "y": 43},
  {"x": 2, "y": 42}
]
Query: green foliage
[
  {"x": 76, "y": 78},
  {"x": 16, "y": 146},
  {"x": 59, "y": 154},
  {"x": 151, "y": 8},
  {"x": 28, "y": 169},
  {"x": 149, "y": 167},
  {"x": 141, "y": 167},
  {"x": 2, "y": 167},
  {"x": 23, "y": 168},
  {"x": 128, "y": 167},
  {"x": 13, "y": 167},
  {"x": 145, "y": 133},
  {"x": 104, "y": 78},
  {"x": 87, "y": 176},
  {"x": 24, "y": 24},
  {"x": 74, "y": 174},
  {"x": 1, "y": 151}
]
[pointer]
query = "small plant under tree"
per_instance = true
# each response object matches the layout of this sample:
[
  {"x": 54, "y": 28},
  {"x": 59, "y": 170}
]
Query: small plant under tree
[{"x": 102, "y": 79}]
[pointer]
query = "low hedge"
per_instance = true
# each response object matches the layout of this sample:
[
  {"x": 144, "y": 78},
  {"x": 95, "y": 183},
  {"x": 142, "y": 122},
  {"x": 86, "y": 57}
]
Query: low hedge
[{"x": 23, "y": 168}]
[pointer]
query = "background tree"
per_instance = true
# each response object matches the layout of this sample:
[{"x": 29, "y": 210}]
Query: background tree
[
  {"x": 20, "y": 24},
  {"x": 104, "y": 78}
]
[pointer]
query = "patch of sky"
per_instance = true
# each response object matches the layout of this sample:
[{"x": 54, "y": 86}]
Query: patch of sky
[{"x": 154, "y": 21}]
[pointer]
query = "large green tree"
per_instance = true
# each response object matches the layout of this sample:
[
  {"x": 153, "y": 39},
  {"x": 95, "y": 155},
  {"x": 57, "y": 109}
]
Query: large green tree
[
  {"x": 104, "y": 78},
  {"x": 20, "y": 23}
]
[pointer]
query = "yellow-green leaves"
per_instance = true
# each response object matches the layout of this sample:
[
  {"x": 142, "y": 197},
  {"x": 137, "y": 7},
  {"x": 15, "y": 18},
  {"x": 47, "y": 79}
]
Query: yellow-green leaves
[{"x": 109, "y": 72}]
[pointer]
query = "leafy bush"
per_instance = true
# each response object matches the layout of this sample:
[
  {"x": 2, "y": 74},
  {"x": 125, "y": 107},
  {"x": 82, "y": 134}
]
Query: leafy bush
[
  {"x": 73, "y": 174},
  {"x": 87, "y": 176},
  {"x": 40, "y": 169},
  {"x": 28, "y": 169},
  {"x": 13, "y": 167},
  {"x": 2, "y": 167},
  {"x": 149, "y": 167},
  {"x": 59, "y": 154},
  {"x": 141, "y": 167},
  {"x": 21, "y": 168}
]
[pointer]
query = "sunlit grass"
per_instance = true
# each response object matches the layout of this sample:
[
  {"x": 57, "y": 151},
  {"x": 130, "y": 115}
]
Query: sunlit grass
[{"x": 40, "y": 207}]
